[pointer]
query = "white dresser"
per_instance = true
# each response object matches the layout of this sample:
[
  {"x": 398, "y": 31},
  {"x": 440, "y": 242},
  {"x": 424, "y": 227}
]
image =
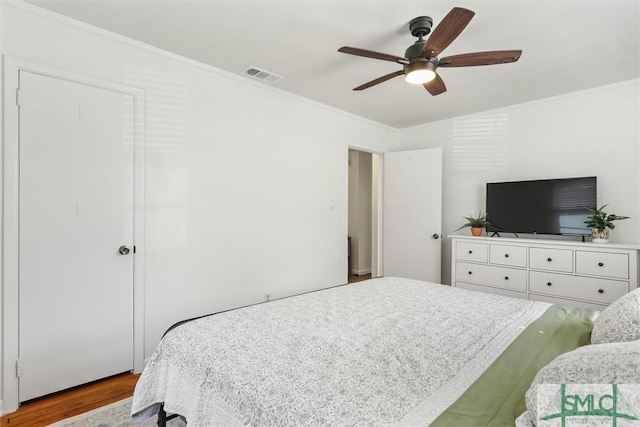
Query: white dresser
[{"x": 562, "y": 272}]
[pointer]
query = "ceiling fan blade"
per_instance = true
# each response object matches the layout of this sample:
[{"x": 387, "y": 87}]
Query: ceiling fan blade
[
  {"x": 447, "y": 31},
  {"x": 371, "y": 54},
  {"x": 380, "y": 80},
  {"x": 481, "y": 58},
  {"x": 436, "y": 86}
]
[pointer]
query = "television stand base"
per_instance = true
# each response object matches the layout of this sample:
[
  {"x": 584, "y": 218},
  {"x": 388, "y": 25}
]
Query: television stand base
[{"x": 495, "y": 233}]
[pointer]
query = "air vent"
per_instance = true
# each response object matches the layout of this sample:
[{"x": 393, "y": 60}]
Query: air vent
[{"x": 263, "y": 75}]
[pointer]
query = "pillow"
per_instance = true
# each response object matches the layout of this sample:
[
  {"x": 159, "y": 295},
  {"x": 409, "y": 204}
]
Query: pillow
[
  {"x": 620, "y": 322},
  {"x": 612, "y": 363}
]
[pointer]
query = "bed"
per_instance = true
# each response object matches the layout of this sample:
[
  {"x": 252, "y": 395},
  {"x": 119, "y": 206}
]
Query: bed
[{"x": 386, "y": 351}]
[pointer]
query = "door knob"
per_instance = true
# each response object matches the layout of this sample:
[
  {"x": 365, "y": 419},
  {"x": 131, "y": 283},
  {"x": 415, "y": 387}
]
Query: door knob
[{"x": 123, "y": 250}]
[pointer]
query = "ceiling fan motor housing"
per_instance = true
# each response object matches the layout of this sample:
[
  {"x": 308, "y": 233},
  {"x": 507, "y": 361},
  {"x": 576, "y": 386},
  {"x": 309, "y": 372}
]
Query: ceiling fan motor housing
[
  {"x": 420, "y": 26},
  {"x": 415, "y": 50}
]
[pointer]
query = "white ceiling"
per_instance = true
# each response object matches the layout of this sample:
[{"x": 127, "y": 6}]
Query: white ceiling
[{"x": 567, "y": 46}]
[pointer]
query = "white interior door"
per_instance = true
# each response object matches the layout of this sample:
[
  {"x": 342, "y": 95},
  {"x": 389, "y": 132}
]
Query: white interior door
[
  {"x": 413, "y": 214},
  {"x": 76, "y": 211}
]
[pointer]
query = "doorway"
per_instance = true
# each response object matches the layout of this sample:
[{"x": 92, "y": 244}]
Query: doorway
[
  {"x": 363, "y": 215},
  {"x": 406, "y": 222}
]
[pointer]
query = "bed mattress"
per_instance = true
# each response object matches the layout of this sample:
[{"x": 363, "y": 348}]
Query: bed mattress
[{"x": 386, "y": 351}]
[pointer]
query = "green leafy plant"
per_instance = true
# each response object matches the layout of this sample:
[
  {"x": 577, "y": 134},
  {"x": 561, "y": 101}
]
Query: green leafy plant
[
  {"x": 600, "y": 220},
  {"x": 479, "y": 221}
]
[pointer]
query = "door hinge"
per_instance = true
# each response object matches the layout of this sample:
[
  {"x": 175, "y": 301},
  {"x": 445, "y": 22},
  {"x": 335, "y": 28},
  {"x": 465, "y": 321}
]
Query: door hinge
[
  {"x": 18, "y": 369},
  {"x": 18, "y": 97}
]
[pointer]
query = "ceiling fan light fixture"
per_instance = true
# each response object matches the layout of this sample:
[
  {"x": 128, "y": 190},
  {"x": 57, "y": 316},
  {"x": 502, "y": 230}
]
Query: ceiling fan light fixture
[
  {"x": 420, "y": 72},
  {"x": 420, "y": 60}
]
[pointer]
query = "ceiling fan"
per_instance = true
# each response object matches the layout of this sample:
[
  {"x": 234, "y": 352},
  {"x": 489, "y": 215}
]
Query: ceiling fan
[{"x": 420, "y": 60}]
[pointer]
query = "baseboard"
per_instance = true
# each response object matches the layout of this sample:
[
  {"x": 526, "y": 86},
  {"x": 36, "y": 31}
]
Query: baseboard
[
  {"x": 361, "y": 272},
  {"x": 1, "y": 408}
]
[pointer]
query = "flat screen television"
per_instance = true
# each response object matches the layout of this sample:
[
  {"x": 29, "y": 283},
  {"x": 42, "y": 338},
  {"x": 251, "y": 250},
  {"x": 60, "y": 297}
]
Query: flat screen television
[{"x": 548, "y": 206}]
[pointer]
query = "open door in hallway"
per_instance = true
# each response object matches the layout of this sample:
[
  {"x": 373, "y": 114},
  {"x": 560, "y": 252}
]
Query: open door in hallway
[{"x": 413, "y": 214}]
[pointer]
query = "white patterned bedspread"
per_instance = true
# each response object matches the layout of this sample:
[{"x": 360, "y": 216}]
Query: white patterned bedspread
[{"x": 378, "y": 352}]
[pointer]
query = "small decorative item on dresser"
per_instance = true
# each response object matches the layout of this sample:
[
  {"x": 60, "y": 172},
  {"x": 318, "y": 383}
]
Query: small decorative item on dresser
[
  {"x": 600, "y": 223},
  {"x": 476, "y": 223}
]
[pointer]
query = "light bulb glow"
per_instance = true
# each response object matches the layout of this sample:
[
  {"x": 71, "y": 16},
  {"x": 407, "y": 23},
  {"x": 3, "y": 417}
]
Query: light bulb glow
[
  {"x": 420, "y": 76},
  {"x": 421, "y": 71}
]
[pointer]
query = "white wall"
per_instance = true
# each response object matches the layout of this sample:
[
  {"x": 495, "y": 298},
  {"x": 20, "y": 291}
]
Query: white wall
[
  {"x": 245, "y": 185},
  {"x": 594, "y": 132}
]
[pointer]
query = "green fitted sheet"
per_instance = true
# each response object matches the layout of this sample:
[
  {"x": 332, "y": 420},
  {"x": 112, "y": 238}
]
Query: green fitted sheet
[{"x": 497, "y": 397}]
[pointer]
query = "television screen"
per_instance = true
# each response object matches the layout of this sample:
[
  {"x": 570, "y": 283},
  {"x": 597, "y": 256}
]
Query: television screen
[{"x": 550, "y": 206}]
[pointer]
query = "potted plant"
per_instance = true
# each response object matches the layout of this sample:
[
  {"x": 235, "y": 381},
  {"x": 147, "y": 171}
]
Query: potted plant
[
  {"x": 477, "y": 223},
  {"x": 600, "y": 223}
]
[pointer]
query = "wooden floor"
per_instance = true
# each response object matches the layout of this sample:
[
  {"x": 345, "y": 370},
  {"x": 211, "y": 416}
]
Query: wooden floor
[
  {"x": 355, "y": 278},
  {"x": 56, "y": 407}
]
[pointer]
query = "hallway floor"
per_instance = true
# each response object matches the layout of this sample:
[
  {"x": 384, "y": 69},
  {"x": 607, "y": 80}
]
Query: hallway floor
[{"x": 355, "y": 278}]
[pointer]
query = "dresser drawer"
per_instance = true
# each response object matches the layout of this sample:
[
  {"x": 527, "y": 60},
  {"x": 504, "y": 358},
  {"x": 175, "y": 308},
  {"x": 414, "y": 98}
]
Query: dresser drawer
[
  {"x": 490, "y": 290},
  {"x": 601, "y": 291},
  {"x": 606, "y": 264},
  {"x": 551, "y": 259},
  {"x": 477, "y": 252},
  {"x": 499, "y": 277},
  {"x": 515, "y": 256}
]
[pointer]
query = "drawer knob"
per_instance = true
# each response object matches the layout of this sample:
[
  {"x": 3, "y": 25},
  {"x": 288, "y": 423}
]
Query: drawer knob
[
  {"x": 601, "y": 291},
  {"x": 548, "y": 283},
  {"x": 470, "y": 272},
  {"x": 601, "y": 264},
  {"x": 549, "y": 259},
  {"x": 506, "y": 255},
  {"x": 470, "y": 252},
  {"x": 506, "y": 277}
]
